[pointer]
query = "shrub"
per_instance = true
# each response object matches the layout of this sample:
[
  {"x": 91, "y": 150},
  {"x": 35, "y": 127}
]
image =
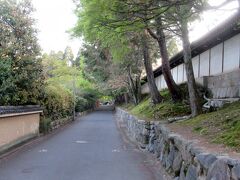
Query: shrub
[
  {"x": 58, "y": 102},
  {"x": 44, "y": 125},
  {"x": 86, "y": 99}
]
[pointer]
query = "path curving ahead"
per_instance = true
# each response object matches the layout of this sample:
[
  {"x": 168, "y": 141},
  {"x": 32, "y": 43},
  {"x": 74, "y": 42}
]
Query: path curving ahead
[{"x": 89, "y": 149}]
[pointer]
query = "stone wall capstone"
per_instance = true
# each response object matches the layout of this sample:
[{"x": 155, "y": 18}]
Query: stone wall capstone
[{"x": 181, "y": 158}]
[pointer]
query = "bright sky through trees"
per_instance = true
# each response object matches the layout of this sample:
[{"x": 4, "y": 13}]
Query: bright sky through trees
[
  {"x": 55, "y": 17},
  {"x": 212, "y": 18}
]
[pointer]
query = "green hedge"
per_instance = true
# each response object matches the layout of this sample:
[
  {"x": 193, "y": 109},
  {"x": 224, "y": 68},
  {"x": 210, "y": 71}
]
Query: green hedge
[
  {"x": 58, "y": 102},
  {"x": 86, "y": 99}
]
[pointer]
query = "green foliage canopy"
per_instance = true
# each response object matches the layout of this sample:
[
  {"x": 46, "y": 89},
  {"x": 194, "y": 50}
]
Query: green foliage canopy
[
  {"x": 63, "y": 81},
  {"x": 21, "y": 79}
]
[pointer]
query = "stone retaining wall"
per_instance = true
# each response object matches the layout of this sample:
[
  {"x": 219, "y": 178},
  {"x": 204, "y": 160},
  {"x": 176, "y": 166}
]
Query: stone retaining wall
[
  {"x": 224, "y": 85},
  {"x": 181, "y": 158},
  {"x": 61, "y": 122}
]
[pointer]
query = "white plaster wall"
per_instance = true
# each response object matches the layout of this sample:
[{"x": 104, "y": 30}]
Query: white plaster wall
[
  {"x": 158, "y": 83},
  {"x": 216, "y": 59},
  {"x": 195, "y": 64},
  {"x": 180, "y": 73},
  {"x": 175, "y": 73},
  {"x": 163, "y": 82},
  {"x": 231, "y": 54},
  {"x": 204, "y": 64},
  {"x": 210, "y": 61}
]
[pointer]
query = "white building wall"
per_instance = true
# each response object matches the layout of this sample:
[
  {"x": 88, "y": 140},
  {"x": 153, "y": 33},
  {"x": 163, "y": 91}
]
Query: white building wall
[
  {"x": 216, "y": 59},
  {"x": 180, "y": 78},
  {"x": 175, "y": 73},
  {"x": 195, "y": 64},
  {"x": 158, "y": 82},
  {"x": 163, "y": 82},
  {"x": 204, "y": 64},
  {"x": 222, "y": 58},
  {"x": 231, "y": 54}
]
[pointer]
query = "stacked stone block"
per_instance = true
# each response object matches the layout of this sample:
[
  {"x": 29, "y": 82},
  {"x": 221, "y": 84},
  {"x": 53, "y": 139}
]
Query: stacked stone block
[{"x": 181, "y": 158}]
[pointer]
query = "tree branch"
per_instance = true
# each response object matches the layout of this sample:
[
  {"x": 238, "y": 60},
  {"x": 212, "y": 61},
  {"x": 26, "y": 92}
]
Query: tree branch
[{"x": 152, "y": 33}]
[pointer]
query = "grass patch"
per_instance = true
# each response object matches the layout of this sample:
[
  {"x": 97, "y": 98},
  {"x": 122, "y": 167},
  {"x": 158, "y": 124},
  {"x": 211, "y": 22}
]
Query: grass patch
[
  {"x": 166, "y": 109},
  {"x": 222, "y": 126}
]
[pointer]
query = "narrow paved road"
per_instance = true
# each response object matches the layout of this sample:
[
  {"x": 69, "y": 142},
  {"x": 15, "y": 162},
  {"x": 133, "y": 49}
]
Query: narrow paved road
[{"x": 89, "y": 149}]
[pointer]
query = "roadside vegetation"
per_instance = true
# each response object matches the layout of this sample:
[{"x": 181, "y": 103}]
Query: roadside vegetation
[
  {"x": 126, "y": 37},
  {"x": 55, "y": 81},
  {"x": 122, "y": 40},
  {"x": 129, "y": 36},
  {"x": 64, "y": 84},
  {"x": 163, "y": 111},
  {"x": 221, "y": 126}
]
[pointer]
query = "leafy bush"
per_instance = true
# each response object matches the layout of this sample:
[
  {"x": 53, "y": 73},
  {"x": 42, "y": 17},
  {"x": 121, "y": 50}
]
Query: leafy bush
[
  {"x": 28, "y": 78},
  {"x": 58, "y": 102},
  {"x": 44, "y": 124},
  {"x": 21, "y": 78},
  {"x": 86, "y": 99}
]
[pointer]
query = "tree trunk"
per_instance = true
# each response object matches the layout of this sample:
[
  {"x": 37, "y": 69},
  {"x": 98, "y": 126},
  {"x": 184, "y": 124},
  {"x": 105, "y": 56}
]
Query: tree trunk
[
  {"x": 126, "y": 98},
  {"x": 174, "y": 90},
  {"x": 192, "y": 88},
  {"x": 172, "y": 86},
  {"x": 155, "y": 95},
  {"x": 134, "y": 87},
  {"x": 138, "y": 88}
]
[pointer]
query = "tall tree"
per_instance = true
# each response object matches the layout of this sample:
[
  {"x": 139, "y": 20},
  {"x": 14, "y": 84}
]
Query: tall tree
[
  {"x": 68, "y": 55},
  {"x": 94, "y": 27},
  {"x": 155, "y": 95},
  {"x": 21, "y": 79},
  {"x": 77, "y": 61},
  {"x": 161, "y": 39},
  {"x": 192, "y": 88},
  {"x": 96, "y": 65},
  {"x": 179, "y": 15},
  {"x": 146, "y": 15},
  {"x": 183, "y": 15},
  {"x": 130, "y": 69}
]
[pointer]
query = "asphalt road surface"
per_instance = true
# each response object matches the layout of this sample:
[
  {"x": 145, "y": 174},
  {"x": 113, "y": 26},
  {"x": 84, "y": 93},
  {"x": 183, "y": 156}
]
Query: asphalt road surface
[{"x": 91, "y": 148}]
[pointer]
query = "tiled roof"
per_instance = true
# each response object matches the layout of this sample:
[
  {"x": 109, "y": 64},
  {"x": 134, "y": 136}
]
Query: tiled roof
[{"x": 19, "y": 109}]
